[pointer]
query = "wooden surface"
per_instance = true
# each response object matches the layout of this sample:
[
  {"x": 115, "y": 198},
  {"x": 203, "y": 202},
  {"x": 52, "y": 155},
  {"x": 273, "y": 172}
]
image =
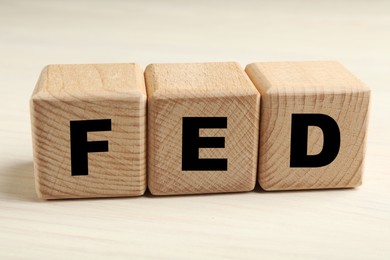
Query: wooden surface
[
  {"x": 66, "y": 93},
  {"x": 198, "y": 90},
  {"x": 336, "y": 224},
  {"x": 322, "y": 87}
]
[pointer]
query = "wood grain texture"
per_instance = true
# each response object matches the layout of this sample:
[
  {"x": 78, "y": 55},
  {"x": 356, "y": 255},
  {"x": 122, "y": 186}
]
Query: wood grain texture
[
  {"x": 309, "y": 87},
  {"x": 87, "y": 92},
  {"x": 201, "y": 90},
  {"x": 342, "y": 224}
]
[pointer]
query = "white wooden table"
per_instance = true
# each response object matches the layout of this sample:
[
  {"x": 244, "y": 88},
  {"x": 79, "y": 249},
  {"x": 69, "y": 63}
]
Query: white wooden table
[{"x": 343, "y": 224}]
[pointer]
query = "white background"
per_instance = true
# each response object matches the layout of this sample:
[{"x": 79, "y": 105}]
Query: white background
[{"x": 353, "y": 223}]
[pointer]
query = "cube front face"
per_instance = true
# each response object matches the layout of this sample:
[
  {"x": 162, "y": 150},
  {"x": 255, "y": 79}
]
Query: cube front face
[
  {"x": 180, "y": 121},
  {"x": 91, "y": 143},
  {"x": 321, "y": 91}
]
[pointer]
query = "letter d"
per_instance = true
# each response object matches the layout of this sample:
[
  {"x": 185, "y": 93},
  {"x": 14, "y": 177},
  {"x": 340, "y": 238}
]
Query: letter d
[{"x": 299, "y": 139}]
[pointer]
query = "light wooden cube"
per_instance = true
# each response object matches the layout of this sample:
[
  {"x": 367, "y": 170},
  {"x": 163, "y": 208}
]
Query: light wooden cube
[
  {"x": 89, "y": 131},
  {"x": 303, "y": 105},
  {"x": 216, "y": 107}
]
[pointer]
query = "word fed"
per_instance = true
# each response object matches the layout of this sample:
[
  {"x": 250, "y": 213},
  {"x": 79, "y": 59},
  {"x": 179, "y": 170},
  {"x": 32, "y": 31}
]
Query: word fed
[{"x": 111, "y": 130}]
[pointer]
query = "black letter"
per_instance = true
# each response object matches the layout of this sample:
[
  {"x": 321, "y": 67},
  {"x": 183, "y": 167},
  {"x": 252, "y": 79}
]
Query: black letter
[
  {"x": 192, "y": 142},
  {"x": 299, "y": 136},
  {"x": 79, "y": 145}
]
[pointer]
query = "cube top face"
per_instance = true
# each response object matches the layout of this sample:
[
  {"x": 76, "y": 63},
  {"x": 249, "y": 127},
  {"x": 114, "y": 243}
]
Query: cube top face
[
  {"x": 90, "y": 116},
  {"x": 189, "y": 103},
  {"x": 90, "y": 81},
  {"x": 294, "y": 90},
  {"x": 305, "y": 77},
  {"x": 206, "y": 79}
]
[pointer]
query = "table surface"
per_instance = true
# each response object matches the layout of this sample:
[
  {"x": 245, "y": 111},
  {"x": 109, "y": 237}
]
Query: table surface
[{"x": 324, "y": 224}]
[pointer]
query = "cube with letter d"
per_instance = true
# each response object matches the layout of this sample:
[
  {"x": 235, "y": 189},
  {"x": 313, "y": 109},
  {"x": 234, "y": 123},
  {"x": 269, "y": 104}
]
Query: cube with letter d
[
  {"x": 89, "y": 131},
  {"x": 313, "y": 125},
  {"x": 203, "y": 122}
]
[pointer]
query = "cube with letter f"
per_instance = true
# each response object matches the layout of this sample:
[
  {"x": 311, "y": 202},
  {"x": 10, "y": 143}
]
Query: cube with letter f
[{"x": 89, "y": 131}]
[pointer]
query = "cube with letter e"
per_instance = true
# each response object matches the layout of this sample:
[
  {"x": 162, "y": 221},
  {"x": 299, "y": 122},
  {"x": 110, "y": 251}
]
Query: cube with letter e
[
  {"x": 313, "y": 125},
  {"x": 203, "y": 128}
]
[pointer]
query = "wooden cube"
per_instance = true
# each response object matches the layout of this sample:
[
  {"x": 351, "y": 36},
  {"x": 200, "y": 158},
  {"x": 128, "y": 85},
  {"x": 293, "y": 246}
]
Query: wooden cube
[
  {"x": 203, "y": 128},
  {"x": 313, "y": 125},
  {"x": 89, "y": 131}
]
